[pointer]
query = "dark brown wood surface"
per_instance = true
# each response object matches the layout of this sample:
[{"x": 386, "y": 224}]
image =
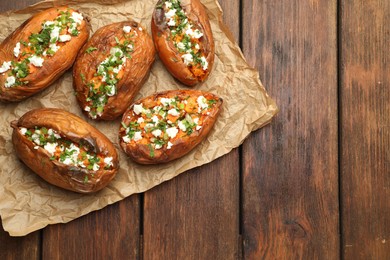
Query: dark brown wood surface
[
  {"x": 365, "y": 129},
  {"x": 314, "y": 184}
]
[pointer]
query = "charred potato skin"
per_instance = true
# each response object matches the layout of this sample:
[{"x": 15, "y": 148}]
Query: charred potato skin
[
  {"x": 140, "y": 153},
  {"x": 137, "y": 68},
  {"x": 76, "y": 129},
  {"x": 166, "y": 49},
  {"x": 53, "y": 68}
]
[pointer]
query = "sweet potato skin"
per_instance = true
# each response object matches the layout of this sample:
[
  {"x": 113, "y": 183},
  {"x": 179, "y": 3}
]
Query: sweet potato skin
[
  {"x": 77, "y": 130},
  {"x": 53, "y": 67},
  {"x": 136, "y": 70},
  {"x": 140, "y": 153},
  {"x": 166, "y": 49}
]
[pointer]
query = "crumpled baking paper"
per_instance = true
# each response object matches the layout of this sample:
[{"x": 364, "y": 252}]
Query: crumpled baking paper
[{"x": 28, "y": 203}]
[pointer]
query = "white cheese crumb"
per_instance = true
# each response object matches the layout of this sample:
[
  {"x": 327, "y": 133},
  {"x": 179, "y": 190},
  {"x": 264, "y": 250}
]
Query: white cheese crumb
[
  {"x": 65, "y": 38},
  {"x": 171, "y": 13},
  {"x": 157, "y": 132},
  {"x": 171, "y": 22},
  {"x": 172, "y": 132},
  {"x": 140, "y": 28},
  {"x": 140, "y": 120},
  {"x": 47, "y": 24},
  {"x": 169, "y": 146},
  {"x": 205, "y": 64},
  {"x": 54, "y": 47},
  {"x": 198, "y": 127},
  {"x": 173, "y": 112},
  {"x": 87, "y": 108},
  {"x": 181, "y": 46},
  {"x": 187, "y": 58},
  {"x": 168, "y": 5},
  {"x": 202, "y": 103},
  {"x": 108, "y": 161},
  {"x": 67, "y": 161},
  {"x": 155, "y": 119},
  {"x": 126, "y": 28},
  {"x": 10, "y": 81},
  {"x": 36, "y": 147},
  {"x": 165, "y": 101},
  {"x": 126, "y": 139},
  {"x": 51, "y": 147},
  {"x": 36, "y": 61},
  {"x": 137, "y": 136},
  {"x": 138, "y": 109},
  {"x": 95, "y": 167},
  {"x": 111, "y": 91},
  {"x": 157, "y": 146},
  {"x": 23, "y": 130},
  {"x": 54, "y": 34},
  {"x": 77, "y": 17},
  {"x": 6, "y": 66},
  {"x": 182, "y": 126},
  {"x": 17, "y": 50}
]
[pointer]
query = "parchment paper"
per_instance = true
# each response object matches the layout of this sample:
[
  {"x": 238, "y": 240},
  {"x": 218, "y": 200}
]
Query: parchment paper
[{"x": 28, "y": 203}]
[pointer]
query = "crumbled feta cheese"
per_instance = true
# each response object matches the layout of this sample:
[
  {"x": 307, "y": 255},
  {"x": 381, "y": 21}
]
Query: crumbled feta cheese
[
  {"x": 65, "y": 38},
  {"x": 173, "y": 112},
  {"x": 137, "y": 136},
  {"x": 54, "y": 47},
  {"x": 202, "y": 103},
  {"x": 54, "y": 34},
  {"x": 197, "y": 34},
  {"x": 57, "y": 136},
  {"x": 157, "y": 132},
  {"x": 157, "y": 146},
  {"x": 77, "y": 17},
  {"x": 87, "y": 108},
  {"x": 36, "y": 147},
  {"x": 126, "y": 139},
  {"x": 140, "y": 120},
  {"x": 204, "y": 62},
  {"x": 36, "y": 61},
  {"x": 10, "y": 81},
  {"x": 117, "y": 69},
  {"x": 108, "y": 161},
  {"x": 172, "y": 132},
  {"x": 6, "y": 66},
  {"x": 182, "y": 126},
  {"x": 17, "y": 49},
  {"x": 50, "y": 147},
  {"x": 95, "y": 167},
  {"x": 140, "y": 28},
  {"x": 171, "y": 13},
  {"x": 116, "y": 50},
  {"x": 171, "y": 22},
  {"x": 168, "y": 5},
  {"x": 37, "y": 141},
  {"x": 50, "y": 131},
  {"x": 155, "y": 119},
  {"x": 138, "y": 109},
  {"x": 67, "y": 161},
  {"x": 165, "y": 101},
  {"x": 198, "y": 127},
  {"x": 126, "y": 29},
  {"x": 187, "y": 58},
  {"x": 197, "y": 46},
  {"x": 196, "y": 120},
  {"x": 181, "y": 46},
  {"x": 23, "y": 130},
  {"x": 148, "y": 126},
  {"x": 169, "y": 146}
]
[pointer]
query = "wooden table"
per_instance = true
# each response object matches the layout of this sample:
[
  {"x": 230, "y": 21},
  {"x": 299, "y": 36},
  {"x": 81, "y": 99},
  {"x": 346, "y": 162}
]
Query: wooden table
[{"x": 315, "y": 184}]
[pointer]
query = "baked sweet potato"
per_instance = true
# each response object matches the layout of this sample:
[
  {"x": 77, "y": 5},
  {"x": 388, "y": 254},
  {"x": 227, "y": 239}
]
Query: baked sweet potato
[
  {"x": 183, "y": 38},
  {"x": 111, "y": 68},
  {"x": 65, "y": 150},
  {"x": 167, "y": 125},
  {"x": 40, "y": 51}
]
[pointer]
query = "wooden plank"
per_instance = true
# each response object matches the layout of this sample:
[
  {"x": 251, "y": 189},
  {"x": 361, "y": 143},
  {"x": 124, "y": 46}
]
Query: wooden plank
[
  {"x": 290, "y": 173},
  {"x": 110, "y": 233},
  {"x": 365, "y": 129},
  {"x": 27, "y": 247},
  {"x": 196, "y": 215}
]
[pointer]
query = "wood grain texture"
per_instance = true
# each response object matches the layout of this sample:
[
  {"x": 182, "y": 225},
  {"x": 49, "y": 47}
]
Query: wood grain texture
[
  {"x": 27, "y": 247},
  {"x": 110, "y": 233},
  {"x": 365, "y": 110},
  {"x": 196, "y": 215},
  {"x": 290, "y": 181}
]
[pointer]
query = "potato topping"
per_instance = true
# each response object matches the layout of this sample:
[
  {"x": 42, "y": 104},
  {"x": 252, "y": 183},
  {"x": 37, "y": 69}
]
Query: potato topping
[
  {"x": 186, "y": 36},
  {"x": 30, "y": 54},
  {"x": 109, "y": 72},
  {"x": 160, "y": 122},
  {"x": 66, "y": 151}
]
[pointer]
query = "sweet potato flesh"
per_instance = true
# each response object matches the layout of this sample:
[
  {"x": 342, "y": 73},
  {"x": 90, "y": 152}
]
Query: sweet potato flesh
[
  {"x": 186, "y": 36},
  {"x": 159, "y": 122},
  {"x": 66, "y": 151}
]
